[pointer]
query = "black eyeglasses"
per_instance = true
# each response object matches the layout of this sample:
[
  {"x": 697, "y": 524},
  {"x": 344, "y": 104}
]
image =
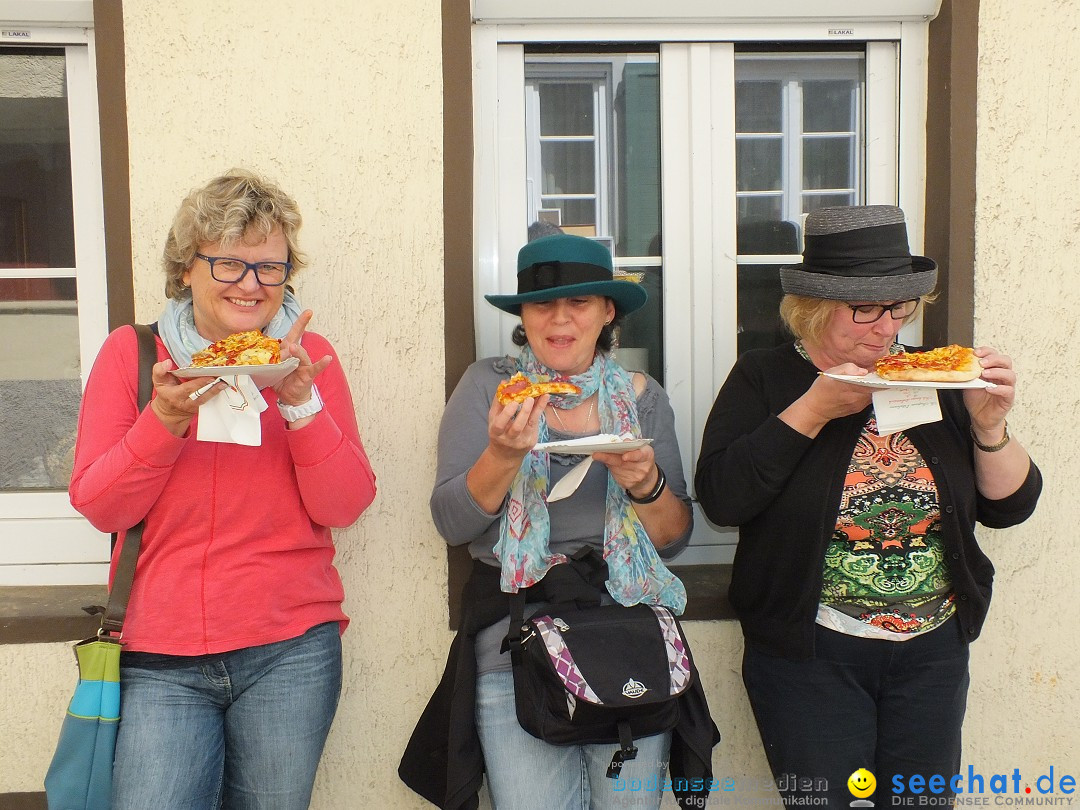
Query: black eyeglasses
[
  {"x": 869, "y": 313},
  {"x": 228, "y": 270}
]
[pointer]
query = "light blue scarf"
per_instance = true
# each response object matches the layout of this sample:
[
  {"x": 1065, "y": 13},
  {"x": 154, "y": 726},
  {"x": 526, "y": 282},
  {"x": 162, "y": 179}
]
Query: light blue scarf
[
  {"x": 176, "y": 325},
  {"x": 636, "y": 574}
]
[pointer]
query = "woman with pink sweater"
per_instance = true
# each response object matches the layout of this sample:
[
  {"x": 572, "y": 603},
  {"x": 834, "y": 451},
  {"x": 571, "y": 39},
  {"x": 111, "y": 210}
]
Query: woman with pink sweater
[{"x": 231, "y": 667}]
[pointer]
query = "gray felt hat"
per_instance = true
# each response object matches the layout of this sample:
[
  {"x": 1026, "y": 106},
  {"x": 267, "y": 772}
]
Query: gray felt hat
[{"x": 858, "y": 253}]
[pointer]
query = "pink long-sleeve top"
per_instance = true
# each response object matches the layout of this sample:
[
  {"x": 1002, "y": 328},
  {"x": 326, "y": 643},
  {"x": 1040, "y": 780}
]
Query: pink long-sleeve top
[{"x": 237, "y": 549}]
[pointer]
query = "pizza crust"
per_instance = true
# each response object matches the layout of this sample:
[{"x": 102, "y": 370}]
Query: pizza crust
[{"x": 928, "y": 375}]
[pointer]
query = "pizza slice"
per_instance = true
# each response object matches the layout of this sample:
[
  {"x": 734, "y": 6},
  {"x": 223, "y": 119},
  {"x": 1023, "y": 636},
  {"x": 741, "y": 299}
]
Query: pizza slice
[
  {"x": 251, "y": 348},
  {"x": 945, "y": 364},
  {"x": 520, "y": 388}
]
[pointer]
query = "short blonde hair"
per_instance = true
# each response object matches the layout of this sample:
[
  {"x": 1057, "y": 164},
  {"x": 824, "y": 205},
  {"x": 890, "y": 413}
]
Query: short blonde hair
[
  {"x": 226, "y": 210},
  {"x": 808, "y": 318}
]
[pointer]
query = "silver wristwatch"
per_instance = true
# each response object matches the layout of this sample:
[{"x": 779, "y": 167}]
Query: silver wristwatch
[{"x": 293, "y": 412}]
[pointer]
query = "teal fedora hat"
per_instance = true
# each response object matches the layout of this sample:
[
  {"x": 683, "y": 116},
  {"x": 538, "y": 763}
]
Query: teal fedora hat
[{"x": 563, "y": 265}]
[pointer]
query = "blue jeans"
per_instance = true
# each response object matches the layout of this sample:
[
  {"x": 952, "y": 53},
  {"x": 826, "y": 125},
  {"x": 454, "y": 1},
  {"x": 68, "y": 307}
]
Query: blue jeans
[
  {"x": 243, "y": 729},
  {"x": 892, "y": 707},
  {"x": 524, "y": 772}
]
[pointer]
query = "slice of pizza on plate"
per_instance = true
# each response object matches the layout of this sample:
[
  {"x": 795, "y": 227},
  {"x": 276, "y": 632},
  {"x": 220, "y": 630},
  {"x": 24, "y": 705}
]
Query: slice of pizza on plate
[
  {"x": 251, "y": 348},
  {"x": 520, "y": 388},
  {"x": 945, "y": 364}
]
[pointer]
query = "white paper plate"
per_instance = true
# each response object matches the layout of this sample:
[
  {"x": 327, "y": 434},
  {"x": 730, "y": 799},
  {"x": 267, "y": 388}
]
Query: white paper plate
[
  {"x": 262, "y": 376},
  {"x": 587, "y": 445},
  {"x": 872, "y": 380}
]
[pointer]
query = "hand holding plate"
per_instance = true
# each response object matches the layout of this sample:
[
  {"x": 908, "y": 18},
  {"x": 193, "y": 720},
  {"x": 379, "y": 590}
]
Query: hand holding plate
[{"x": 176, "y": 401}]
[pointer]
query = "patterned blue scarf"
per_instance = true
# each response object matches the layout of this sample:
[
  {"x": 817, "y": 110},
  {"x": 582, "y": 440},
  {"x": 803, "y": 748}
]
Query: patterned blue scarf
[
  {"x": 636, "y": 572},
  {"x": 176, "y": 325}
]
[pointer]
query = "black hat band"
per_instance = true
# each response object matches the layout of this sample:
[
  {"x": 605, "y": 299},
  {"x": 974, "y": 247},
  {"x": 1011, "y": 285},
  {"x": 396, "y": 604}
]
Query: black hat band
[
  {"x": 548, "y": 275},
  {"x": 864, "y": 252}
]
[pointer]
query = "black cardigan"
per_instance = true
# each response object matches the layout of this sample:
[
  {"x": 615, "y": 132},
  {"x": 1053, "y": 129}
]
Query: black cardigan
[
  {"x": 782, "y": 489},
  {"x": 443, "y": 761}
]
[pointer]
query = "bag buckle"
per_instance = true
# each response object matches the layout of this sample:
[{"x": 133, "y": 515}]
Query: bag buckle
[
  {"x": 621, "y": 756},
  {"x": 627, "y": 751},
  {"x": 108, "y": 635}
]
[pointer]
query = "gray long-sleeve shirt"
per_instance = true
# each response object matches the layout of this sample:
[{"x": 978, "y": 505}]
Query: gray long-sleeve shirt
[{"x": 576, "y": 521}]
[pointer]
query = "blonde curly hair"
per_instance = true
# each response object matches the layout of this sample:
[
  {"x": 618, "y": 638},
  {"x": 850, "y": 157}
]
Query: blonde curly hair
[{"x": 233, "y": 207}]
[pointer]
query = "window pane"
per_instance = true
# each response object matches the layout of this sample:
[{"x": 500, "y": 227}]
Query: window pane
[
  {"x": 568, "y": 167},
  {"x": 758, "y": 307},
  {"x": 36, "y": 224},
  {"x": 798, "y": 134},
  {"x": 758, "y": 106},
  {"x": 39, "y": 388},
  {"x": 815, "y": 201},
  {"x": 637, "y": 152},
  {"x": 566, "y": 109},
  {"x": 759, "y": 207},
  {"x": 575, "y": 214},
  {"x": 592, "y": 132},
  {"x": 758, "y": 164},
  {"x": 767, "y": 235},
  {"x": 641, "y": 345},
  {"x": 827, "y": 163},
  {"x": 828, "y": 106},
  {"x": 592, "y": 127}
]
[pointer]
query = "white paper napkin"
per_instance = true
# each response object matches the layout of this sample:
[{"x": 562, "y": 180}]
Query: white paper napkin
[
  {"x": 898, "y": 409},
  {"x": 233, "y": 415},
  {"x": 568, "y": 484}
]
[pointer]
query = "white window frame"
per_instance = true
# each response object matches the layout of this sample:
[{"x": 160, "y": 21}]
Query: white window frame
[
  {"x": 46, "y": 541},
  {"x": 697, "y": 124}
]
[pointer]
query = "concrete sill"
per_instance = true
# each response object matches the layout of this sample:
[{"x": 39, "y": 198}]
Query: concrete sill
[
  {"x": 38, "y": 614},
  {"x": 23, "y": 801}
]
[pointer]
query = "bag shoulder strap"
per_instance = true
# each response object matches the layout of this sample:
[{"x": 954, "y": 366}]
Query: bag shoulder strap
[{"x": 112, "y": 622}]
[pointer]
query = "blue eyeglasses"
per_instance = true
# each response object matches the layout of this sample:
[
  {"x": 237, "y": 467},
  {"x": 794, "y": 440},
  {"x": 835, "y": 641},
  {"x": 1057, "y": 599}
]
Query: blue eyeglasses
[{"x": 228, "y": 270}]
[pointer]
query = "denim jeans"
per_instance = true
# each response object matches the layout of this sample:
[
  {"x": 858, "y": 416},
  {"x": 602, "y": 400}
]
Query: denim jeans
[
  {"x": 524, "y": 773},
  {"x": 240, "y": 730},
  {"x": 892, "y": 707}
]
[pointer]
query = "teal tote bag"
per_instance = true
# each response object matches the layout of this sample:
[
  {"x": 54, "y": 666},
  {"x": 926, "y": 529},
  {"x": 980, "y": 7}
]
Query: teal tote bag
[{"x": 80, "y": 776}]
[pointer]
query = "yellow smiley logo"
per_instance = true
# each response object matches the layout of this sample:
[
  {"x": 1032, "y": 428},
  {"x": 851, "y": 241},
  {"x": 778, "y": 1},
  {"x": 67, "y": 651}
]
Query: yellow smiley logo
[{"x": 861, "y": 783}]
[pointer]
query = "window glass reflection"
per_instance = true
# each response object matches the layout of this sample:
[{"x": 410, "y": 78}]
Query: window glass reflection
[
  {"x": 36, "y": 223},
  {"x": 40, "y": 387},
  {"x": 799, "y": 142}
]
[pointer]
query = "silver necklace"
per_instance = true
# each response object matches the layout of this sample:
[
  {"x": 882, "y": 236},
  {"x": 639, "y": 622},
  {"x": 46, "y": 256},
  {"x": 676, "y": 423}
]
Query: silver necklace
[{"x": 588, "y": 418}]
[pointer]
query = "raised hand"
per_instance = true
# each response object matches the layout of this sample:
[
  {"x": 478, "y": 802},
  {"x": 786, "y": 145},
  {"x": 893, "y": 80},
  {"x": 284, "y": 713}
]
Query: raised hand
[
  {"x": 295, "y": 389},
  {"x": 514, "y": 429}
]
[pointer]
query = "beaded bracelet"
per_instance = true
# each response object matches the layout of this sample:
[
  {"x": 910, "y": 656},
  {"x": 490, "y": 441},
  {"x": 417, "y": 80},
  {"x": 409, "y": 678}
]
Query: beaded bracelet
[
  {"x": 990, "y": 448},
  {"x": 658, "y": 490}
]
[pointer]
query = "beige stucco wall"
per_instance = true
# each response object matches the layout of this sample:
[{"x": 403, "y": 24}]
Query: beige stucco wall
[
  {"x": 347, "y": 117},
  {"x": 1024, "y": 697}
]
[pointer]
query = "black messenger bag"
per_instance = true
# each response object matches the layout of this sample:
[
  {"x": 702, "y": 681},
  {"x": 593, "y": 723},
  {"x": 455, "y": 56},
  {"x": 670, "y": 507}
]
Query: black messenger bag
[{"x": 598, "y": 674}]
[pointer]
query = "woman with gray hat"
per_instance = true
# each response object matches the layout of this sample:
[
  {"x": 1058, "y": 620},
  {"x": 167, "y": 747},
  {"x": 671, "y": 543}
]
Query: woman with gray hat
[
  {"x": 492, "y": 493},
  {"x": 858, "y": 580}
]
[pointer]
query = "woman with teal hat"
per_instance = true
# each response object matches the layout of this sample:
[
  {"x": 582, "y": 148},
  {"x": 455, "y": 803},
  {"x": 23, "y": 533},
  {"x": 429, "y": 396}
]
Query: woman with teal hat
[{"x": 492, "y": 493}]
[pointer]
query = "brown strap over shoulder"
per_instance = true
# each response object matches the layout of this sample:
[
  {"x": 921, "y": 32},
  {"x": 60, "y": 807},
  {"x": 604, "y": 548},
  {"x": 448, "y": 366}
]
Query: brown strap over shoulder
[{"x": 112, "y": 622}]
